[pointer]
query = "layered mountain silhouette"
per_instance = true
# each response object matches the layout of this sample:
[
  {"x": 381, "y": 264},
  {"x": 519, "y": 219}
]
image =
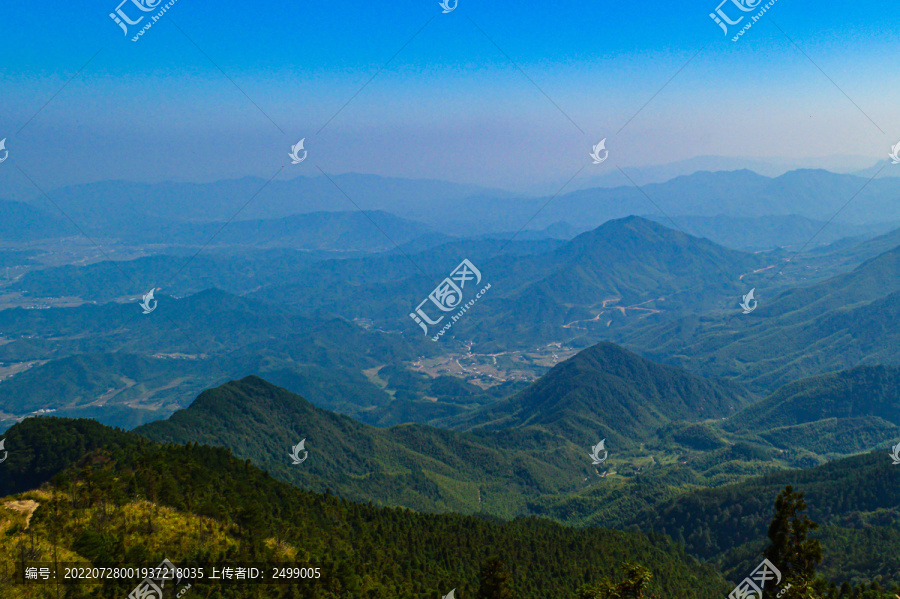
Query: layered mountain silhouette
[
  {"x": 468, "y": 209},
  {"x": 625, "y": 269},
  {"x": 839, "y": 323},
  {"x": 535, "y": 443},
  {"x": 25, "y": 222},
  {"x": 412, "y": 465},
  {"x": 811, "y": 193},
  {"x": 836, "y": 413}
]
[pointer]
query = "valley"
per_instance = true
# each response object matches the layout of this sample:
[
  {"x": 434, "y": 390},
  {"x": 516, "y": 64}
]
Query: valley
[
  {"x": 449, "y": 300},
  {"x": 630, "y": 333}
]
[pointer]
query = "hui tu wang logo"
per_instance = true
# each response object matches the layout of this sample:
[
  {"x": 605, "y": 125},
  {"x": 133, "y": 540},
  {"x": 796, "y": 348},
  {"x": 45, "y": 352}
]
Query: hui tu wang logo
[
  {"x": 595, "y": 453},
  {"x": 448, "y": 297},
  {"x": 754, "y": 584},
  {"x": 295, "y": 452},
  {"x": 445, "y": 4},
  {"x": 122, "y": 19},
  {"x": 152, "y": 587},
  {"x": 148, "y": 303},
  {"x": 723, "y": 20},
  {"x": 295, "y": 152},
  {"x": 6, "y": 453},
  {"x": 894, "y": 155},
  {"x": 895, "y": 455},
  {"x": 745, "y": 304},
  {"x": 597, "y": 149},
  {"x": 6, "y": 152}
]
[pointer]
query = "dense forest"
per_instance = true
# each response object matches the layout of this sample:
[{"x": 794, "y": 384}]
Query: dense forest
[
  {"x": 131, "y": 501},
  {"x": 113, "y": 497}
]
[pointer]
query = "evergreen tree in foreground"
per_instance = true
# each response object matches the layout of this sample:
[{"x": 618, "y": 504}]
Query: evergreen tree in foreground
[
  {"x": 494, "y": 580},
  {"x": 635, "y": 585},
  {"x": 795, "y": 555}
]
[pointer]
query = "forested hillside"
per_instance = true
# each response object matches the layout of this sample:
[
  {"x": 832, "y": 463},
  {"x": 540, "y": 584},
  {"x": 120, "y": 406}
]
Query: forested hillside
[
  {"x": 131, "y": 501},
  {"x": 608, "y": 391},
  {"x": 856, "y": 500}
]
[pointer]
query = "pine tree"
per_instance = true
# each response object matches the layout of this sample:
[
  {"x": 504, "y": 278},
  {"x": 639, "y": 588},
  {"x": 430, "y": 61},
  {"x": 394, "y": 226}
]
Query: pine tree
[
  {"x": 795, "y": 555},
  {"x": 494, "y": 580},
  {"x": 635, "y": 585}
]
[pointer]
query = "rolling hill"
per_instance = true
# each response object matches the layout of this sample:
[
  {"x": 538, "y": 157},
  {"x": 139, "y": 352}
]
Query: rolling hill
[
  {"x": 606, "y": 391},
  {"x": 511, "y": 452},
  {"x": 627, "y": 268},
  {"x": 161, "y": 360},
  {"x": 832, "y": 414},
  {"x": 862, "y": 391},
  {"x": 842, "y": 322},
  {"x": 411, "y": 465},
  {"x": 25, "y": 222}
]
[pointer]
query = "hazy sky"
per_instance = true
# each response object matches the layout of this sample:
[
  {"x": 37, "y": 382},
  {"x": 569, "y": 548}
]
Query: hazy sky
[{"x": 450, "y": 105}]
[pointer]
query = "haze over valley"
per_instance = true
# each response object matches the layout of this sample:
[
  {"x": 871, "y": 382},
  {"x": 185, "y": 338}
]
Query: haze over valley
[{"x": 498, "y": 301}]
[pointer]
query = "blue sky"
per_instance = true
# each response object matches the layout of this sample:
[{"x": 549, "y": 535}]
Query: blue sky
[{"x": 450, "y": 105}]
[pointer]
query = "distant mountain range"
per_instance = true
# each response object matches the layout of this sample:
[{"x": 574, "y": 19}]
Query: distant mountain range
[
  {"x": 118, "y": 209},
  {"x": 626, "y": 268},
  {"x": 863, "y": 166},
  {"x": 814, "y": 194},
  {"x": 632, "y": 281},
  {"x": 770, "y": 232},
  {"x": 111, "y": 203}
]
